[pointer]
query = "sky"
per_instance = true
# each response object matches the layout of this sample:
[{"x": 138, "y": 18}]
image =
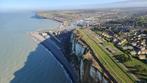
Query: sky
[{"x": 65, "y": 4}]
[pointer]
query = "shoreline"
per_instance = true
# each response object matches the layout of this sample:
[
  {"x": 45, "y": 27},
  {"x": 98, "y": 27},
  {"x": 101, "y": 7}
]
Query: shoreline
[
  {"x": 61, "y": 59},
  {"x": 38, "y": 15}
]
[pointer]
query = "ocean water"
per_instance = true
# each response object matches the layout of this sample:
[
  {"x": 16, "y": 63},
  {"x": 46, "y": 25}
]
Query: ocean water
[{"x": 21, "y": 59}]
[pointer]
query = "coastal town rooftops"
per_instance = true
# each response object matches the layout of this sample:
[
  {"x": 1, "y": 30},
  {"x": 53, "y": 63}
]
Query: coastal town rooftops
[
  {"x": 142, "y": 56},
  {"x": 143, "y": 51}
]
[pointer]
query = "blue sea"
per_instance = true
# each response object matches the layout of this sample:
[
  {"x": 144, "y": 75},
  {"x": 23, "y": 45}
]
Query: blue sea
[{"x": 22, "y": 60}]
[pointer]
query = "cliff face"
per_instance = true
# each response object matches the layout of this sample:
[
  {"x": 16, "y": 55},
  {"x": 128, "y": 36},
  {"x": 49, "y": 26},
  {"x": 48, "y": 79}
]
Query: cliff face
[
  {"x": 84, "y": 67},
  {"x": 77, "y": 47},
  {"x": 89, "y": 69}
]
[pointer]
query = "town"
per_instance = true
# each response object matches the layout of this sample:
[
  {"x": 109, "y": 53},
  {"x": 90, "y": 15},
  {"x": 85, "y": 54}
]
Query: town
[{"x": 115, "y": 37}]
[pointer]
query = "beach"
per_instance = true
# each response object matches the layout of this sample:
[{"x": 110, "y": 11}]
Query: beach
[{"x": 21, "y": 57}]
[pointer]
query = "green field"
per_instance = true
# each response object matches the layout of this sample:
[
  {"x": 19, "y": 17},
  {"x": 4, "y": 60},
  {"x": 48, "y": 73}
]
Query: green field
[
  {"x": 133, "y": 64},
  {"x": 115, "y": 70}
]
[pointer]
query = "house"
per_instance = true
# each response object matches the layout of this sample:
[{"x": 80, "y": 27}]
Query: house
[
  {"x": 133, "y": 53},
  {"x": 127, "y": 48},
  {"x": 106, "y": 35},
  {"x": 134, "y": 44},
  {"x": 115, "y": 41},
  {"x": 123, "y": 42},
  {"x": 142, "y": 54}
]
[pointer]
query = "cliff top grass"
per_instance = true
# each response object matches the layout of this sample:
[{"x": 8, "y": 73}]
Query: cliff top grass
[
  {"x": 114, "y": 69},
  {"x": 133, "y": 64}
]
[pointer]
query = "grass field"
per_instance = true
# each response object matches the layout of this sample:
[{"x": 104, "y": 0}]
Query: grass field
[
  {"x": 115, "y": 70},
  {"x": 141, "y": 71}
]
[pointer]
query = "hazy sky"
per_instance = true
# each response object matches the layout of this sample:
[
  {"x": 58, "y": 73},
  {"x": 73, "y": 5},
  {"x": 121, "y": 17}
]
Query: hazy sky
[{"x": 65, "y": 4}]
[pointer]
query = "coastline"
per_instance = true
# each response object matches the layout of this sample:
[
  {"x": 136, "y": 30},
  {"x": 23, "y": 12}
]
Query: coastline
[
  {"x": 18, "y": 43},
  {"x": 41, "y": 16},
  {"x": 61, "y": 59}
]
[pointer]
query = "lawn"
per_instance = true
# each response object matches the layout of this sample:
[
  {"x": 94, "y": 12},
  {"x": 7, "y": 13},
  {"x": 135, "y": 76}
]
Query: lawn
[
  {"x": 115, "y": 70},
  {"x": 133, "y": 64}
]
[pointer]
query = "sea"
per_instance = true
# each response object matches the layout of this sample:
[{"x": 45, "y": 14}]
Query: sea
[{"x": 22, "y": 60}]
